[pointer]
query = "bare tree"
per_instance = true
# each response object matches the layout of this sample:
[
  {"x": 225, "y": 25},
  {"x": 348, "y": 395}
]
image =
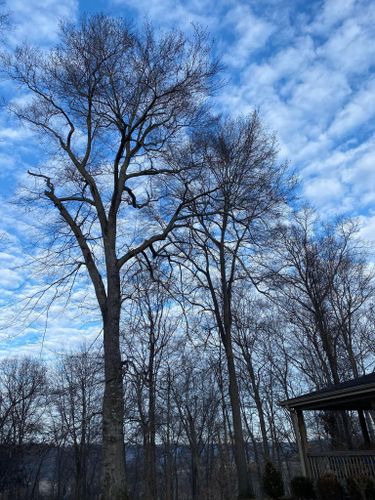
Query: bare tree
[
  {"x": 22, "y": 393},
  {"x": 227, "y": 234},
  {"x": 76, "y": 396},
  {"x": 197, "y": 403},
  {"x": 324, "y": 286},
  {"x": 251, "y": 319},
  {"x": 22, "y": 403},
  {"x": 110, "y": 103},
  {"x": 150, "y": 325},
  {"x": 324, "y": 292}
]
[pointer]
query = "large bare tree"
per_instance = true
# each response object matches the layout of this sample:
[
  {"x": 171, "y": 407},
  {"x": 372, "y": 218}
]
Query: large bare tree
[
  {"x": 227, "y": 234},
  {"x": 111, "y": 104}
]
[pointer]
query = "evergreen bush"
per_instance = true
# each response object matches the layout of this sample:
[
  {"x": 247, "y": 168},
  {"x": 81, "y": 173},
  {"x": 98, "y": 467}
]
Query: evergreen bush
[
  {"x": 302, "y": 488},
  {"x": 272, "y": 481}
]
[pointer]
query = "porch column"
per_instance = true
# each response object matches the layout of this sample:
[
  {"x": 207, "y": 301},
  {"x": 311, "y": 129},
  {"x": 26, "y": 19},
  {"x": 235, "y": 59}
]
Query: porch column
[
  {"x": 301, "y": 437},
  {"x": 363, "y": 424}
]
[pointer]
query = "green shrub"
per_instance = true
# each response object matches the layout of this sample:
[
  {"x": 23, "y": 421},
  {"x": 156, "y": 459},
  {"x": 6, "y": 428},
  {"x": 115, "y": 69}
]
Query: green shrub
[
  {"x": 272, "y": 481},
  {"x": 329, "y": 488},
  {"x": 302, "y": 488}
]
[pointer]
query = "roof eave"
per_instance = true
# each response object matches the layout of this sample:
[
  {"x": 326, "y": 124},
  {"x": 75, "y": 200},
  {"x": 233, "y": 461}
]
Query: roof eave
[{"x": 328, "y": 396}]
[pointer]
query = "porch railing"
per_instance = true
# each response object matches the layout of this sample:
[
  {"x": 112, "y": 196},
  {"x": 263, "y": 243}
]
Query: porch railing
[{"x": 343, "y": 463}]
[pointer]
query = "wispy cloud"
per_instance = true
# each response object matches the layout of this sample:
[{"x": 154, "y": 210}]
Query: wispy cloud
[
  {"x": 249, "y": 33},
  {"x": 307, "y": 66},
  {"x": 37, "y": 21},
  {"x": 316, "y": 90}
]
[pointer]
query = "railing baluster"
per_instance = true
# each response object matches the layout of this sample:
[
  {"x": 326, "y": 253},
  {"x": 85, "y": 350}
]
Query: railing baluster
[{"x": 343, "y": 463}]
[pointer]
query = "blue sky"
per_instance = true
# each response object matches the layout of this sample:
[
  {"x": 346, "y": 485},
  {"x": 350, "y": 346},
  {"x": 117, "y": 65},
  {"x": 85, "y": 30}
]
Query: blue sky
[{"x": 308, "y": 66}]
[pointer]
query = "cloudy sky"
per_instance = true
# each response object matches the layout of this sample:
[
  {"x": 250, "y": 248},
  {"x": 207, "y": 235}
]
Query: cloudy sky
[{"x": 307, "y": 66}]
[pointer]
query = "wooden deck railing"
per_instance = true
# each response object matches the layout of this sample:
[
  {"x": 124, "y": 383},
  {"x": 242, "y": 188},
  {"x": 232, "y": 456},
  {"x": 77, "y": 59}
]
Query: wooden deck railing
[{"x": 343, "y": 463}]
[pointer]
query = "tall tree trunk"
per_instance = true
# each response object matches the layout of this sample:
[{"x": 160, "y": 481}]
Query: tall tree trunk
[
  {"x": 258, "y": 401},
  {"x": 150, "y": 448},
  {"x": 194, "y": 475},
  {"x": 342, "y": 429},
  {"x": 243, "y": 477},
  {"x": 224, "y": 324},
  {"x": 168, "y": 448},
  {"x": 195, "y": 461},
  {"x": 113, "y": 469},
  {"x": 244, "y": 484}
]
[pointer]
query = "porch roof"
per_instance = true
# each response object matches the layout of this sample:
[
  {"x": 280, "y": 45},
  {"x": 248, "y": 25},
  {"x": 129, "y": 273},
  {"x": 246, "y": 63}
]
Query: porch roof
[{"x": 354, "y": 394}]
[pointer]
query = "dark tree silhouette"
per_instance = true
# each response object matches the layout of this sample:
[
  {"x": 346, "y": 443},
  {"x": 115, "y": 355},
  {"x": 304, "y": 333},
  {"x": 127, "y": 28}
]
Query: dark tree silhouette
[{"x": 111, "y": 104}]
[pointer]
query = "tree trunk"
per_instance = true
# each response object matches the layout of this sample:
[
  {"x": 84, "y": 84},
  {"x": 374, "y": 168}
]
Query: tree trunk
[
  {"x": 195, "y": 462},
  {"x": 258, "y": 402},
  {"x": 113, "y": 468},
  {"x": 150, "y": 443},
  {"x": 194, "y": 476},
  {"x": 244, "y": 485},
  {"x": 168, "y": 464},
  {"x": 150, "y": 461}
]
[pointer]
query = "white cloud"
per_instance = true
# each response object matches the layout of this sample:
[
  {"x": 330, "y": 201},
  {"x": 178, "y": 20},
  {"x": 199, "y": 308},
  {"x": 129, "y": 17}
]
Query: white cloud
[
  {"x": 251, "y": 33},
  {"x": 37, "y": 21},
  {"x": 367, "y": 228},
  {"x": 359, "y": 110},
  {"x": 348, "y": 50},
  {"x": 333, "y": 13},
  {"x": 18, "y": 133},
  {"x": 31, "y": 322},
  {"x": 324, "y": 190},
  {"x": 307, "y": 72},
  {"x": 318, "y": 92},
  {"x": 315, "y": 90}
]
